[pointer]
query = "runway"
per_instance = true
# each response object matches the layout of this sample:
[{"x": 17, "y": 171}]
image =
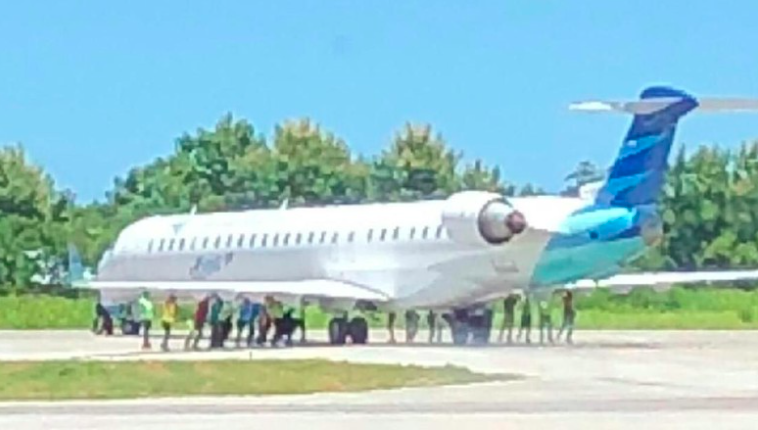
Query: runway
[{"x": 607, "y": 380}]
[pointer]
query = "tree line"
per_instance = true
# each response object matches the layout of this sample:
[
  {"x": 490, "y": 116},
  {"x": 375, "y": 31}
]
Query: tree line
[{"x": 709, "y": 205}]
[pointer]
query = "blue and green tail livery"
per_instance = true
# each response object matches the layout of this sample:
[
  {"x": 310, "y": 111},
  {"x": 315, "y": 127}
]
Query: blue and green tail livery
[{"x": 638, "y": 173}]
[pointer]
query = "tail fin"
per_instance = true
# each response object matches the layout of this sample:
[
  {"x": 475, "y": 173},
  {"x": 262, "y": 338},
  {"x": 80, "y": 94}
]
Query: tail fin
[{"x": 638, "y": 174}]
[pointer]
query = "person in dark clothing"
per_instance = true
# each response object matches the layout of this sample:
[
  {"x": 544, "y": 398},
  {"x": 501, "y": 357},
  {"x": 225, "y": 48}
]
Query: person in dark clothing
[
  {"x": 391, "y": 317},
  {"x": 201, "y": 314},
  {"x": 103, "y": 321},
  {"x": 509, "y": 316},
  {"x": 526, "y": 321},
  {"x": 569, "y": 315},
  {"x": 545, "y": 321},
  {"x": 431, "y": 321},
  {"x": 264, "y": 325},
  {"x": 286, "y": 327},
  {"x": 411, "y": 325}
]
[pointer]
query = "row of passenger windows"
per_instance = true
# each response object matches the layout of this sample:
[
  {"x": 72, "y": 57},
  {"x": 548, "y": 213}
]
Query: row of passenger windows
[{"x": 264, "y": 240}]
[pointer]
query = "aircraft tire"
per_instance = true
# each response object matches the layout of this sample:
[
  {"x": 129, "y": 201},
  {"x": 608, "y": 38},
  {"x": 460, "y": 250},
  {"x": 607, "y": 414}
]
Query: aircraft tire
[
  {"x": 481, "y": 327},
  {"x": 358, "y": 330},
  {"x": 337, "y": 331},
  {"x": 460, "y": 332}
]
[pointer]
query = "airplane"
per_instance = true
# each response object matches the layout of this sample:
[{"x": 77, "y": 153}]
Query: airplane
[{"x": 450, "y": 255}]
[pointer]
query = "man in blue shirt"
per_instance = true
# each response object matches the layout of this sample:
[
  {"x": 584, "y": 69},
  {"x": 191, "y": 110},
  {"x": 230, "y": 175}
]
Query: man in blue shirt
[{"x": 248, "y": 314}]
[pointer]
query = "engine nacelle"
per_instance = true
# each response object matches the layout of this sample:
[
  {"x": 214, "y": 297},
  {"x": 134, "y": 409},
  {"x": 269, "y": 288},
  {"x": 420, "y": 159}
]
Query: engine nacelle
[{"x": 481, "y": 218}]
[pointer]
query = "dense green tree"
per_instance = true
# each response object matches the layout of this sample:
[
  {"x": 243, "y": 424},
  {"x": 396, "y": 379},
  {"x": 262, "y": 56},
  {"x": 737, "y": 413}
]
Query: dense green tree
[
  {"x": 417, "y": 165},
  {"x": 709, "y": 204}
]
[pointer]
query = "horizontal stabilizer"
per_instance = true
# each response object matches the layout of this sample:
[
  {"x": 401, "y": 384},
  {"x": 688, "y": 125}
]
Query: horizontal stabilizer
[{"x": 648, "y": 106}]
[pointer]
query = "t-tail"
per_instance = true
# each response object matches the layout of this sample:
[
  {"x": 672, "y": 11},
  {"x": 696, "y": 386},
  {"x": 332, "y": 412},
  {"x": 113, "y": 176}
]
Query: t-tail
[{"x": 639, "y": 171}]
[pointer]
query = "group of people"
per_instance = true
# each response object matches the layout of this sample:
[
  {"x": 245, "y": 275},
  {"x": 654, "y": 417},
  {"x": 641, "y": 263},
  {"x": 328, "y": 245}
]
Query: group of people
[
  {"x": 246, "y": 315},
  {"x": 544, "y": 315},
  {"x": 249, "y": 317}
]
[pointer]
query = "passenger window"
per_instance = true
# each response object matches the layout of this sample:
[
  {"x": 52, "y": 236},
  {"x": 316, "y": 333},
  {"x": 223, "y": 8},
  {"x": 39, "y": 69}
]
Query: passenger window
[
  {"x": 396, "y": 234},
  {"x": 264, "y": 241},
  {"x": 323, "y": 237},
  {"x": 241, "y": 241},
  {"x": 150, "y": 246},
  {"x": 351, "y": 237},
  {"x": 311, "y": 236},
  {"x": 413, "y": 233},
  {"x": 205, "y": 242},
  {"x": 218, "y": 242},
  {"x": 171, "y": 245},
  {"x": 276, "y": 240},
  {"x": 229, "y": 241},
  {"x": 252, "y": 241},
  {"x": 286, "y": 239},
  {"x": 192, "y": 244},
  {"x": 181, "y": 245},
  {"x": 298, "y": 238},
  {"x": 439, "y": 232},
  {"x": 335, "y": 238},
  {"x": 370, "y": 234},
  {"x": 425, "y": 233}
]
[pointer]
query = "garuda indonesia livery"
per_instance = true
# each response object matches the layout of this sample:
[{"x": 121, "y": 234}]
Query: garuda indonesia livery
[{"x": 454, "y": 254}]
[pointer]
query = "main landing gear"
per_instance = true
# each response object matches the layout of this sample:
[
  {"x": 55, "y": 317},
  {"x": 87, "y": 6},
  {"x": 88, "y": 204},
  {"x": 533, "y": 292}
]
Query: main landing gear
[
  {"x": 470, "y": 325},
  {"x": 341, "y": 330}
]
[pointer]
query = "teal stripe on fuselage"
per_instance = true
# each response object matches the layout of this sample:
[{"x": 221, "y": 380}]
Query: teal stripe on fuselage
[{"x": 560, "y": 266}]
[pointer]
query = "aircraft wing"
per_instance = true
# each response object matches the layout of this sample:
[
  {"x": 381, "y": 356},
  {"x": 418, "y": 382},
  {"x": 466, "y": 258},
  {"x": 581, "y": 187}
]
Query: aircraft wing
[
  {"x": 664, "y": 280},
  {"x": 290, "y": 291}
]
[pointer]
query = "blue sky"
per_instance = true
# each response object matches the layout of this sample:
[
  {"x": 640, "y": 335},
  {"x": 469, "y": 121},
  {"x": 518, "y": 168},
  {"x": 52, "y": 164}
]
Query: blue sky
[{"x": 92, "y": 89}]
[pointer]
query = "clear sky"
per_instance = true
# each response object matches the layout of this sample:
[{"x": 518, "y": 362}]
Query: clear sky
[{"x": 94, "y": 88}]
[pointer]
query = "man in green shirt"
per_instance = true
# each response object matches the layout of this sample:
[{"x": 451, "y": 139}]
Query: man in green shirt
[
  {"x": 546, "y": 321},
  {"x": 509, "y": 316},
  {"x": 215, "y": 320},
  {"x": 146, "y": 314},
  {"x": 227, "y": 313}
]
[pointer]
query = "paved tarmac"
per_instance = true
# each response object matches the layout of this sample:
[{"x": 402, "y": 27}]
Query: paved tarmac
[{"x": 613, "y": 380}]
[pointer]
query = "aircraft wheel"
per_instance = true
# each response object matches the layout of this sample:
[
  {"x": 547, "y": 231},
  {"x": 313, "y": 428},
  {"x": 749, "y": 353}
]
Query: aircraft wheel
[
  {"x": 358, "y": 330},
  {"x": 337, "y": 331},
  {"x": 460, "y": 327},
  {"x": 460, "y": 333}
]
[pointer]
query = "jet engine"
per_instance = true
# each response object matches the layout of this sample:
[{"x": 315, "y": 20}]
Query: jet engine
[{"x": 481, "y": 218}]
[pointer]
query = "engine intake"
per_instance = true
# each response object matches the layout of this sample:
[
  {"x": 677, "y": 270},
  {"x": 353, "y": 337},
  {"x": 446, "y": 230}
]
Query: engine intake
[{"x": 478, "y": 217}]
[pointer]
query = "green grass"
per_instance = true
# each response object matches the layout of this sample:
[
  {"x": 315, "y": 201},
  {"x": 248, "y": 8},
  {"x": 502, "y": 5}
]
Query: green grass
[
  {"x": 59, "y": 380},
  {"x": 679, "y": 308}
]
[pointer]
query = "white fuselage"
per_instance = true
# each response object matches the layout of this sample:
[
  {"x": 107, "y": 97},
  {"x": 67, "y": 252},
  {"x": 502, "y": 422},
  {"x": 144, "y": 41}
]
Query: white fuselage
[{"x": 399, "y": 250}]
